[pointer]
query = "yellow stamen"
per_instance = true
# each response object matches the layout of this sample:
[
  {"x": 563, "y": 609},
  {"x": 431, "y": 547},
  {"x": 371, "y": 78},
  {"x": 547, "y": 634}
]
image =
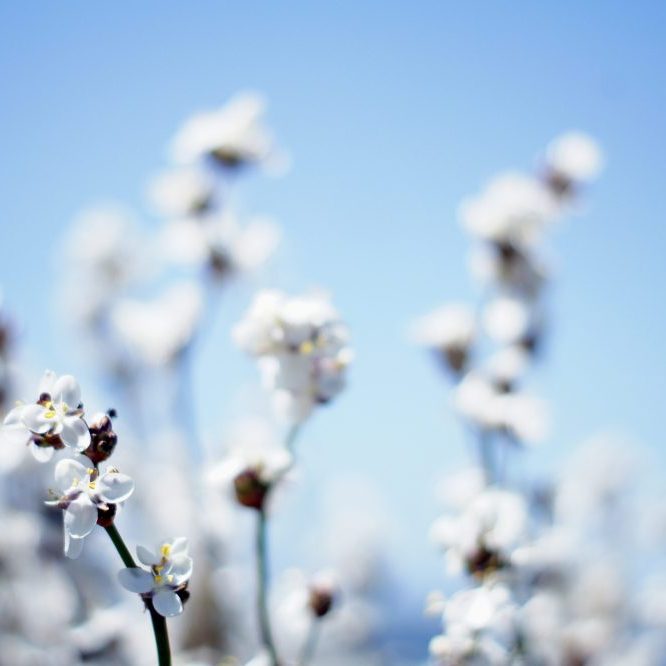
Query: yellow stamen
[{"x": 165, "y": 550}]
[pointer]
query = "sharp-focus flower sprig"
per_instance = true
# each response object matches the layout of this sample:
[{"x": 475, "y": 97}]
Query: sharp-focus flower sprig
[
  {"x": 165, "y": 584},
  {"x": 53, "y": 422}
]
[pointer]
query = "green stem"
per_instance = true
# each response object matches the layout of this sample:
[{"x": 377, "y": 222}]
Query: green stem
[
  {"x": 262, "y": 588},
  {"x": 310, "y": 645},
  {"x": 159, "y": 621}
]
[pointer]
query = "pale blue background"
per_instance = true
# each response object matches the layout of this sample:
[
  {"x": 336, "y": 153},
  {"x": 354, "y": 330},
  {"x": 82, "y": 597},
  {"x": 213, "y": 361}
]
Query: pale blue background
[{"x": 392, "y": 113}]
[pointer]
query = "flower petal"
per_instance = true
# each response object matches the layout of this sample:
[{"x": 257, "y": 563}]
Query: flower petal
[
  {"x": 73, "y": 547},
  {"x": 136, "y": 580},
  {"x": 69, "y": 472},
  {"x": 146, "y": 557},
  {"x": 66, "y": 389},
  {"x": 167, "y": 603},
  {"x": 75, "y": 433},
  {"x": 80, "y": 517},
  {"x": 33, "y": 418},
  {"x": 14, "y": 416},
  {"x": 181, "y": 569},
  {"x": 115, "y": 487},
  {"x": 41, "y": 454},
  {"x": 47, "y": 382}
]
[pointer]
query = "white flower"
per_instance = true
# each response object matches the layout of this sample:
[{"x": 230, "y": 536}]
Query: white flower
[
  {"x": 475, "y": 399},
  {"x": 494, "y": 522},
  {"x": 479, "y": 627},
  {"x": 170, "y": 570},
  {"x": 54, "y": 421},
  {"x": 221, "y": 242},
  {"x": 575, "y": 156},
  {"x": 157, "y": 331},
  {"x": 303, "y": 349},
  {"x": 233, "y": 134},
  {"x": 513, "y": 208},
  {"x": 82, "y": 491},
  {"x": 181, "y": 192},
  {"x": 508, "y": 364},
  {"x": 450, "y": 326},
  {"x": 525, "y": 417},
  {"x": 507, "y": 320}
]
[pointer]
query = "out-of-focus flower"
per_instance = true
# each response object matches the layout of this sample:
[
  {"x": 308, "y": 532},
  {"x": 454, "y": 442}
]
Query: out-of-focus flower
[
  {"x": 513, "y": 208},
  {"x": 165, "y": 583},
  {"x": 158, "y": 331},
  {"x": 508, "y": 320},
  {"x": 220, "y": 242},
  {"x": 53, "y": 422},
  {"x": 254, "y": 462},
  {"x": 574, "y": 157},
  {"x": 303, "y": 349},
  {"x": 449, "y": 330},
  {"x": 482, "y": 537},
  {"x": 83, "y": 491},
  {"x": 233, "y": 135},
  {"x": 479, "y": 627},
  {"x": 506, "y": 366},
  {"x": 181, "y": 192},
  {"x": 104, "y": 256}
]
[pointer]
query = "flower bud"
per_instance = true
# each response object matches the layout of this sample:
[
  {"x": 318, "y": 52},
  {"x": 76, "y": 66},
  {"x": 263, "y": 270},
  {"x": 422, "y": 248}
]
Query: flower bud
[
  {"x": 322, "y": 596},
  {"x": 250, "y": 489},
  {"x": 102, "y": 438}
]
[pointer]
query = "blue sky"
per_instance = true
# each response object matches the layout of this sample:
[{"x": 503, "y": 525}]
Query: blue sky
[{"x": 392, "y": 113}]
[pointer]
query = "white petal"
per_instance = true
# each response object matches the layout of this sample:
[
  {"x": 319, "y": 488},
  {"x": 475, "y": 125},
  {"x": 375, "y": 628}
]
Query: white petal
[
  {"x": 70, "y": 472},
  {"x": 167, "y": 603},
  {"x": 67, "y": 390},
  {"x": 115, "y": 487},
  {"x": 146, "y": 557},
  {"x": 180, "y": 569},
  {"x": 13, "y": 440},
  {"x": 41, "y": 453},
  {"x": 33, "y": 418},
  {"x": 75, "y": 433},
  {"x": 47, "y": 382},
  {"x": 73, "y": 547},
  {"x": 178, "y": 545},
  {"x": 14, "y": 416},
  {"x": 80, "y": 517},
  {"x": 136, "y": 580}
]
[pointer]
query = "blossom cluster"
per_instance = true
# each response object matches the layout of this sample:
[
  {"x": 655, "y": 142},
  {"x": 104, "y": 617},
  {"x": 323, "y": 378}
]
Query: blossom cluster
[
  {"x": 302, "y": 347},
  {"x": 87, "y": 494},
  {"x": 542, "y": 590}
]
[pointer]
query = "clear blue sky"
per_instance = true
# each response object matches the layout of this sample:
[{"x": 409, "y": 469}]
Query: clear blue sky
[{"x": 392, "y": 113}]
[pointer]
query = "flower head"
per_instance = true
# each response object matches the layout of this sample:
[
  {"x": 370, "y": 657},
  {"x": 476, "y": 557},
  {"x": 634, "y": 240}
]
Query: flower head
[
  {"x": 302, "y": 346},
  {"x": 166, "y": 581},
  {"x": 233, "y": 135},
  {"x": 82, "y": 492},
  {"x": 54, "y": 421}
]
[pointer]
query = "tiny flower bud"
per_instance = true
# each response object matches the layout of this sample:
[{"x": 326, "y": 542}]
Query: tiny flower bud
[
  {"x": 484, "y": 561},
  {"x": 250, "y": 489},
  {"x": 102, "y": 439},
  {"x": 322, "y": 597}
]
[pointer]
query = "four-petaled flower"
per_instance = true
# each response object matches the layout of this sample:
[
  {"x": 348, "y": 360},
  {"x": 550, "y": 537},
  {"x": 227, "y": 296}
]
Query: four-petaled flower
[
  {"x": 170, "y": 571},
  {"x": 84, "y": 491},
  {"x": 54, "y": 421}
]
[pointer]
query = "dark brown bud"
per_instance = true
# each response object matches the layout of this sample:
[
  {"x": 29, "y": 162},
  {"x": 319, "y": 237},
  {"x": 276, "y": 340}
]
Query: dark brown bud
[
  {"x": 250, "y": 489},
  {"x": 455, "y": 358},
  {"x": 102, "y": 440},
  {"x": 48, "y": 441},
  {"x": 484, "y": 561},
  {"x": 321, "y": 599}
]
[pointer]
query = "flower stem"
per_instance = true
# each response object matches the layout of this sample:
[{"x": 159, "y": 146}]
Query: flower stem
[
  {"x": 122, "y": 549},
  {"x": 262, "y": 588},
  {"x": 310, "y": 645},
  {"x": 159, "y": 621}
]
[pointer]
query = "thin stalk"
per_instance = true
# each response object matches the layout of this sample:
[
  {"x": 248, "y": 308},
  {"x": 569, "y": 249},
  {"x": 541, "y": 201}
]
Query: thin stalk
[
  {"x": 158, "y": 621},
  {"x": 486, "y": 456},
  {"x": 262, "y": 588},
  {"x": 310, "y": 645}
]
